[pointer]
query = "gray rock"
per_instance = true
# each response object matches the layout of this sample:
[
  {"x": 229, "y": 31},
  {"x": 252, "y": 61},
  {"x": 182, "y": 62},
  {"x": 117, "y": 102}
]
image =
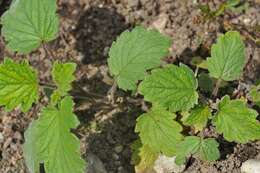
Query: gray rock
[
  {"x": 119, "y": 149},
  {"x": 166, "y": 164},
  {"x": 95, "y": 165}
]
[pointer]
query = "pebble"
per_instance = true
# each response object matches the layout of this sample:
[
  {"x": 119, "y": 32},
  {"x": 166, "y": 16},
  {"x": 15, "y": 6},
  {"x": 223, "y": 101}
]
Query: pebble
[
  {"x": 115, "y": 156},
  {"x": 166, "y": 164},
  {"x": 1, "y": 138},
  {"x": 251, "y": 166},
  {"x": 95, "y": 165},
  {"x": 119, "y": 149}
]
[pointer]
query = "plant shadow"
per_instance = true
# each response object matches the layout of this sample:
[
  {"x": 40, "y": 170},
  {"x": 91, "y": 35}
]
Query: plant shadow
[{"x": 96, "y": 30}]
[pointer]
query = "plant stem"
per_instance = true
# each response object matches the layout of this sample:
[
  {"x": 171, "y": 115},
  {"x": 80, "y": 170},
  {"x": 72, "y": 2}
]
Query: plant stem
[
  {"x": 48, "y": 85},
  {"x": 196, "y": 71},
  {"x": 215, "y": 91}
]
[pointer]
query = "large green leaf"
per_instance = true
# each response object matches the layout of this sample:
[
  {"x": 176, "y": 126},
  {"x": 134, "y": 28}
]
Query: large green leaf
[
  {"x": 198, "y": 117},
  {"x": 135, "y": 52},
  {"x": 227, "y": 57},
  {"x": 18, "y": 85},
  {"x": 28, "y": 23},
  {"x": 58, "y": 148},
  {"x": 206, "y": 149},
  {"x": 236, "y": 121},
  {"x": 30, "y": 151},
  {"x": 62, "y": 74},
  {"x": 158, "y": 130},
  {"x": 173, "y": 87}
]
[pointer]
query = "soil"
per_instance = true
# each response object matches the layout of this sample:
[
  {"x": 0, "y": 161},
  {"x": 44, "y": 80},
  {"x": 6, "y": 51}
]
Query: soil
[{"x": 87, "y": 29}]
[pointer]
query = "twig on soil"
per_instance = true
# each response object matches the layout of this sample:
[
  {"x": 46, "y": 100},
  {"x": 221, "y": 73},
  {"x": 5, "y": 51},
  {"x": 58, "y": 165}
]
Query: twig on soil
[
  {"x": 47, "y": 51},
  {"x": 111, "y": 92},
  {"x": 88, "y": 93}
]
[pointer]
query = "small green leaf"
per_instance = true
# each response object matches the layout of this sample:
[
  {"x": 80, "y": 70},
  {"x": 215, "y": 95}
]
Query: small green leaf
[
  {"x": 30, "y": 149},
  {"x": 135, "y": 52},
  {"x": 206, "y": 149},
  {"x": 236, "y": 121},
  {"x": 62, "y": 74},
  {"x": 28, "y": 23},
  {"x": 173, "y": 87},
  {"x": 159, "y": 131},
  {"x": 198, "y": 117},
  {"x": 58, "y": 148},
  {"x": 254, "y": 93},
  {"x": 227, "y": 57},
  {"x": 199, "y": 62},
  {"x": 18, "y": 85}
]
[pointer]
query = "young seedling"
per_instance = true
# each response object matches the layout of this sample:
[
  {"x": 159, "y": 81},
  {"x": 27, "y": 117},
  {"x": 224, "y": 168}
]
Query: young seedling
[
  {"x": 173, "y": 91},
  {"x": 27, "y": 25}
]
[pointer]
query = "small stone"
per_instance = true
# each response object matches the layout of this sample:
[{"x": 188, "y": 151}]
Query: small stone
[
  {"x": 119, "y": 149},
  {"x": 166, "y": 164},
  {"x": 115, "y": 156},
  {"x": 251, "y": 166},
  {"x": 1, "y": 138},
  {"x": 95, "y": 165}
]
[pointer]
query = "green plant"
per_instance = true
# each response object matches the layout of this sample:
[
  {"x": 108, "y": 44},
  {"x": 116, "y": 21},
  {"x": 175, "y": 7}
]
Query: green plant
[
  {"x": 26, "y": 26},
  {"x": 134, "y": 60},
  {"x": 233, "y": 5}
]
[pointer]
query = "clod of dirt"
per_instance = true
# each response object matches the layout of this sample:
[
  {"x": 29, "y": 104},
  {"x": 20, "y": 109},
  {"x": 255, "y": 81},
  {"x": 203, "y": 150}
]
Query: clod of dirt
[
  {"x": 166, "y": 164},
  {"x": 251, "y": 166}
]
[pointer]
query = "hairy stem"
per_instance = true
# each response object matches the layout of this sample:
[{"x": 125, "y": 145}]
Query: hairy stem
[{"x": 215, "y": 91}]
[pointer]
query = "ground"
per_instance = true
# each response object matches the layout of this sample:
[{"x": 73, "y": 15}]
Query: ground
[{"x": 87, "y": 29}]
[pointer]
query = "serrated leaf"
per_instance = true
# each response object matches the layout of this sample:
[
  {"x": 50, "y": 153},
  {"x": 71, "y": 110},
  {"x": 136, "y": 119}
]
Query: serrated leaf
[
  {"x": 198, "y": 117},
  {"x": 30, "y": 149},
  {"x": 18, "y": 85},
  {"x": 148, "y": 157},
  {"x": 28, "y": 23},
  {"x": 206, "y": 149},
  {"x": 135, "y": 52},
  {"x": 58, "y": 148},
  {"x": 199, "y": 62},
  {"x": 62, "y": 74},
  {"x": 236, "y": 121},
  {"x": 159, "y": 131},
  {"x": 254, "y": 93},
  {"x": 173, "y": 87},
  {"x": 227, "y": 57}
]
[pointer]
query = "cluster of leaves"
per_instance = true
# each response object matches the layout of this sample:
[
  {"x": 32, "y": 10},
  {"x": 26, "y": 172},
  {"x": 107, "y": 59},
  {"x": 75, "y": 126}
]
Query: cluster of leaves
[
  {"x": 233, "y": 5},
  {"x": 26, "y": 26},
  {"x": 173, "y": 92}
]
